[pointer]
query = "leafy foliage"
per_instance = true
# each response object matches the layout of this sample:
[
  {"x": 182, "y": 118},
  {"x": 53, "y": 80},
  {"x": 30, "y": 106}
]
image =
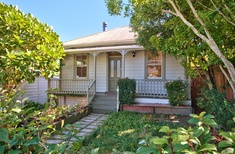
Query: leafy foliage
[
  {"x": 122, "y": 131},
  {"x": 202, "y": 138},
  {"x": 214, "y": 103},
  {"x": 176, "y": 92},
  {"x": 28, "y": 48},
  {"x": 126, "y": 91}
]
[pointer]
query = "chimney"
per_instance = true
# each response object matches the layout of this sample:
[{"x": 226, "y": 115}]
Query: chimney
[{"x": 104, "y": 26}]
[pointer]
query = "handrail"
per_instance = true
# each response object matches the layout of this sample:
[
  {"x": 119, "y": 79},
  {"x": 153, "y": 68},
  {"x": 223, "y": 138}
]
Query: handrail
[{"x": 91, "y": 89}]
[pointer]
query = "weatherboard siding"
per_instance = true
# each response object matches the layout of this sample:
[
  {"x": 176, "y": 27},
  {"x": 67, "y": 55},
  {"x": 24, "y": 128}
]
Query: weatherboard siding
[
  {"x": 135, "y": 66},
  {"x": 174, "y": 70}
]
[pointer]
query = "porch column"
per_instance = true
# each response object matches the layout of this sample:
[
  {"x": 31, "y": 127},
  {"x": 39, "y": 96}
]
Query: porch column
[
  {"x": 95, "y": 54},
  {"x": 123, "y": 52}
]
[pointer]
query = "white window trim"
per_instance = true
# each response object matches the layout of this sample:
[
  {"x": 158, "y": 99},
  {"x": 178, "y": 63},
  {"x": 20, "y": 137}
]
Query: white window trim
[
  {"x": 162, "y": 67},
  {"x": 75, "y": 66}
]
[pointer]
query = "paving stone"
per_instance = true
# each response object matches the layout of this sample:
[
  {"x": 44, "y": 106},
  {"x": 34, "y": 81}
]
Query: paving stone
[
  {"x": 54, "y": 141},
  {"x": 80, "y": 134},
  {"x": 92, "y": 127},
  {"x": 86, "y": 130}
]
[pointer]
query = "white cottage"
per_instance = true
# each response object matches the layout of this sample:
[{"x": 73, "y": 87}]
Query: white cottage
[{"x": 93, "y": 64}]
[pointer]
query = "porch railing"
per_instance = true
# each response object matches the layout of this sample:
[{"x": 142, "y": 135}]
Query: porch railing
[
  {"x": 151, "y": 88},
  {"x": 65, "y": 86},
  {"x": 91, "y": 89}
]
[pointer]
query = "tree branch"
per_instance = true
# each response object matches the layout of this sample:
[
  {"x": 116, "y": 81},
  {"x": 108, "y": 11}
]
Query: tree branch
[
  {"x": 199, "y": 19},
  {"x": 227, "y": 8},
  {"x": 168, "y": 11},
  {"x": 187, "y": 22},
  {"x": 217, "y": 9}
]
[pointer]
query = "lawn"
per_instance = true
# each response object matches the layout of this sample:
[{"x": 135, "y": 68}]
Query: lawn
[{"x": 124, "y": 130}]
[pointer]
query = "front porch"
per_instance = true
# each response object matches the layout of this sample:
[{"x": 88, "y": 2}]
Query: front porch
[{"x": 145, "y": 88}]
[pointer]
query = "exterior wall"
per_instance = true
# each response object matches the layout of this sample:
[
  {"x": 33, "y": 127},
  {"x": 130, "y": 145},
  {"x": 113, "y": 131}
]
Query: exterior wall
[
  {"x": 135, "y": 66},
  {"x": 67, "y": 70},
  {"x": 36, "y": 91},
  {"x": 174, "y": 70},
  {"x": 102, "y": 72}
]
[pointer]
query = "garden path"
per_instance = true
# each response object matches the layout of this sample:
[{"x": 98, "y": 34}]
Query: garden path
[{"x": 86, "y": 126}]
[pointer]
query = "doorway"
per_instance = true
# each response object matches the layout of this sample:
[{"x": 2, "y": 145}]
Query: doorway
[{"x": 115, "y": 70}]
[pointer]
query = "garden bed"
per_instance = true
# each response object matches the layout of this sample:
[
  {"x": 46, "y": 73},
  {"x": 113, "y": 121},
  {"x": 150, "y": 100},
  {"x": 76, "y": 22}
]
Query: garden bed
[
  {"x": 73, "y": 118},
  {"x": 157, "y": 109}
]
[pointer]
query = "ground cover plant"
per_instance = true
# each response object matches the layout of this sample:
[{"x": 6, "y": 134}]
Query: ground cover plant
[{"x": 124, "y": 130}]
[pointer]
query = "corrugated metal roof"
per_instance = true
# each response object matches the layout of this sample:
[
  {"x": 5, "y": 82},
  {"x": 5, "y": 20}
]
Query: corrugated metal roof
[{"x": 117, "y": 36}]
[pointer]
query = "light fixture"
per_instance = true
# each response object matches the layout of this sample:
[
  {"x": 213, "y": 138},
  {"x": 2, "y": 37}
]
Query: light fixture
[{"x": 133, "y": 53}]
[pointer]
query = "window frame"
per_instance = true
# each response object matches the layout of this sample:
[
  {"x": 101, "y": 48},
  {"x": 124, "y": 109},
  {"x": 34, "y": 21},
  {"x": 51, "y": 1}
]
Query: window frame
[
  {"x": 75, "y": 66},
  {"x": 162, "y": 67}
]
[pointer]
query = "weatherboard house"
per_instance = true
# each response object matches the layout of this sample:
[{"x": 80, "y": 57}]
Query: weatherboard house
[{"x": 93, "y": 64}]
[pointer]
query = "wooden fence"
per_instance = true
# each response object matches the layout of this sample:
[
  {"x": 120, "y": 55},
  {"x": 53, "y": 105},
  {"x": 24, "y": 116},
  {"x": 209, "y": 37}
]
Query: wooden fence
[{"x": 221, "y": 85}]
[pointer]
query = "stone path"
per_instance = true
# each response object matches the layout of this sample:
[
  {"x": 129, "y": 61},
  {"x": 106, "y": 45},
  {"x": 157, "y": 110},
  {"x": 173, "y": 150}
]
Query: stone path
[{"x": 86, "y": 125}]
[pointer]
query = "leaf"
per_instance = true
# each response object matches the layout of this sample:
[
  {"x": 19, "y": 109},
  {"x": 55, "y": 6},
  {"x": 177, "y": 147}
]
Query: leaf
[
  {"x": 228, "y": 151},
  {"x": 146, "y": 150},
  {"x": 209, "y": 122},
  {"x": 194, "y": 120},
  {"x": 17, "y": 110},
  {"x": 13, "y": 142},
  {"x": 208, "y": 147},
  {"x": 95, "y": 151},
  {"x": 15, "y": 152},
  {"x": 159, "y": 141},
  {"x": 33, "y": 141},
  {"x": 2, "y": 149},
  {"x": 223, "y": 144},
  {"x": 198, "y": 131},
  {"x": 4, "y": 135},
  {"x": 165, "y": 129}
]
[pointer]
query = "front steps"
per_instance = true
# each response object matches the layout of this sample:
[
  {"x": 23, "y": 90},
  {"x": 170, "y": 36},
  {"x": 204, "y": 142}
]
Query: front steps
[{"x": 104, "y": 103}]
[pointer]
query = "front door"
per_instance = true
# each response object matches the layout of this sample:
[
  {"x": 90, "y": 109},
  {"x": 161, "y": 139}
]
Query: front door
[{"x": 115, "y": 70}]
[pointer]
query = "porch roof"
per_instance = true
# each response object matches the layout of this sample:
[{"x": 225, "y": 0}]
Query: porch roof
[{"x": 115, "y": 37}]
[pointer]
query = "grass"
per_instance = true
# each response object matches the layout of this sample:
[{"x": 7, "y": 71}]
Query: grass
[{"x": 124, "y": 130}]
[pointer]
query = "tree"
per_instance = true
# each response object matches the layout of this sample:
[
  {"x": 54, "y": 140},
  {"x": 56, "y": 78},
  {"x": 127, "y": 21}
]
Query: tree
[
  {"x": 196, "y": 32},
  {"x": 28, "y": 48}
]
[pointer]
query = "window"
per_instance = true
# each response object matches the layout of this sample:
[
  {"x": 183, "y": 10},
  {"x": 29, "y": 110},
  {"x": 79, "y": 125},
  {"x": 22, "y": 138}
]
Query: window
[
  {"x": 154, "y": 66},
  {"x": 81, "y": 65}
]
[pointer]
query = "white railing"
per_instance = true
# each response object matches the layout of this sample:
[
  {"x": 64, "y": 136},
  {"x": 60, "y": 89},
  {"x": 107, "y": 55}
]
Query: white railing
[
  {"x": 77, "y": 86},
  {"x": 91, "y": 89},
  {"x": 151, "y": 88}
]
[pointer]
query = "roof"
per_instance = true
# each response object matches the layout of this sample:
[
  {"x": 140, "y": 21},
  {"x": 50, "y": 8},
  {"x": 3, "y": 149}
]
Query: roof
[{"x": 113, "y": 37}]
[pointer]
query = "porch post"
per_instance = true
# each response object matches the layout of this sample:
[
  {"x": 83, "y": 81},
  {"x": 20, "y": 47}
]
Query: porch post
[
  {"x": 95, "y": 54},
  {"x": 123, "y": 63}
]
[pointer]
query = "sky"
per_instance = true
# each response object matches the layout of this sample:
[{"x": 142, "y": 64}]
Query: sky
[{"x": 71, "y": 19}]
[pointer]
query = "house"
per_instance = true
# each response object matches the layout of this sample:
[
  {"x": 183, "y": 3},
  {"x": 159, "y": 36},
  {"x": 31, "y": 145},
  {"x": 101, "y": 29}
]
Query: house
[{"x": 93, "y": 64}]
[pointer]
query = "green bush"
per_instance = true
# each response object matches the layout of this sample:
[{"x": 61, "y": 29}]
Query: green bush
[
  {"x": 176, "y": 92},
  {"x": 214, "y": 103},
  {"x": 126, "y": 91}
]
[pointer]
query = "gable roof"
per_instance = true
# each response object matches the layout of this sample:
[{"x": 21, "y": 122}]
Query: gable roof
[{"x": 113, "y": 37}]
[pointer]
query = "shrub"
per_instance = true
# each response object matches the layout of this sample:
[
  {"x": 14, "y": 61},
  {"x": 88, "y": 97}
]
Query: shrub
[
  {"x": 126, "y": 91},
  {"x": 214, "y": 103},
  {"x": 176, "y": 92}
]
